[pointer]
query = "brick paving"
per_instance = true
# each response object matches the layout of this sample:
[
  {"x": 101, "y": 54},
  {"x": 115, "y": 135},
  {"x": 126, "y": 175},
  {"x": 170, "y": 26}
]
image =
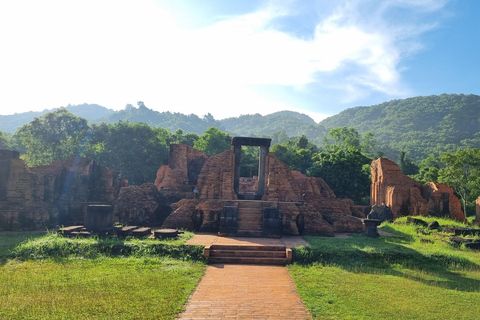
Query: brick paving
[
  {"x": 245, "y": 292},
  {"x": 229, "y": 291},
  {"x": 207, "y": 239}
]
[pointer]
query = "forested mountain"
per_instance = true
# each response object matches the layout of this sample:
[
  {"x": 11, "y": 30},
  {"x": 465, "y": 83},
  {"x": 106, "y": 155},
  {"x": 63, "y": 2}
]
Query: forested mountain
[
  {"x": 418, "y": 126},
  {"x": 168, "y": 120},
  {"x": 293, "y": 123},
  {"x": 90, "y": 112}
]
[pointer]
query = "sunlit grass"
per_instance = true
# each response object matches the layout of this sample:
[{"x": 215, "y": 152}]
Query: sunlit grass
[
  {"x": 52, "y": 277},
  {"x": 107, "y": 288},
  {"x": 54, "y": 246},
  {"x": 8, "y": 241},
  {"x": 389, "y": 277}
]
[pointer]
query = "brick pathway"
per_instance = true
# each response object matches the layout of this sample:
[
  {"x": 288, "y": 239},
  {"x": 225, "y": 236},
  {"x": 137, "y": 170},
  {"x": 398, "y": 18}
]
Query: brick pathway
[
  {"x": 207, "y": 239},
  {"x": 245, "y": 292}
]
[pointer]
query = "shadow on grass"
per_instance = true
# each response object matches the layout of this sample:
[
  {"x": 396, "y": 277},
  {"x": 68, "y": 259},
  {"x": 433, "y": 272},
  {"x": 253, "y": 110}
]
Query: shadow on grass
[
  {"x": 390, "y": 255},
  {"x": 9, "y": 240}
]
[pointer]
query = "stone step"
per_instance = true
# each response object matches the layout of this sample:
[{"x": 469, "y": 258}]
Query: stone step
[
  {"x": 247, "y": 253},
  {"x": 247, "y": 224},
  {"x": 250, "y": 204},
  {"x": 249, "y": 227},
  {"x": 249, "y": 233},
  {"x": 249, "y": 217},
  {"x": 247, "y": 247},
  {"x": 249, "y": 260}
]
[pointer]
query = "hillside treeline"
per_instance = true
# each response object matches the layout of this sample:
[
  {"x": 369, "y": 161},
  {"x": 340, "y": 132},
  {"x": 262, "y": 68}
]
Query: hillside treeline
[
  {"x": 416, "y": 126},
  {"x": 138, "y": 150}
]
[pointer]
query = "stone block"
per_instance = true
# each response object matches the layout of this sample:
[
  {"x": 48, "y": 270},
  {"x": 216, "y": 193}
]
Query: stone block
[{"x": 98, "y": 217}]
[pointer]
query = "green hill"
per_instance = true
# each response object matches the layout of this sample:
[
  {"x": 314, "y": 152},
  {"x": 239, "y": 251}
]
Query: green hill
[
  {"x": 91, "y": 112},
  {"x": 293, "y": 123},
  {"x": 418, "y": 126}
]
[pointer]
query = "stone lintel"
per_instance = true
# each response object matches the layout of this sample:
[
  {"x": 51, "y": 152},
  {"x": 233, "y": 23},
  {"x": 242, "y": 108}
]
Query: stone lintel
[{"x": 249, "y": 141}]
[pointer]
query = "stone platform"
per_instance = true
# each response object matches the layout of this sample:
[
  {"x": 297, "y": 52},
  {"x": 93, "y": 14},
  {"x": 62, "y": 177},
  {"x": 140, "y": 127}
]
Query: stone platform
[{"x": 208, "y": 239}]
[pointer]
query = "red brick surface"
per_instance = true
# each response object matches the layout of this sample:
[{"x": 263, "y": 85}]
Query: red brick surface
[{"x": 245, "y": 292}]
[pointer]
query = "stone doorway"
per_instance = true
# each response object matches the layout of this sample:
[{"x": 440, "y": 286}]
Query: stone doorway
[{"x": 264, "y": 145}]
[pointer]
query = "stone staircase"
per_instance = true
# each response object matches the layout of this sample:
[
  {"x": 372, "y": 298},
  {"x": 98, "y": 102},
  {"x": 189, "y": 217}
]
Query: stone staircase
[
  {"x": 250, "y": 219},
  {"x": 248, "y": 254}
]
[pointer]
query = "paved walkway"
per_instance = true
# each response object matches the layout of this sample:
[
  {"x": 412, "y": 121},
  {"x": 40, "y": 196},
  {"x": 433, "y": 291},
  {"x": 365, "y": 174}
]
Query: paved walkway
[
  {"x": 245, "y": 292},
  {"x": 207, "y": 239},
  {"x": 229, "y": 291}
]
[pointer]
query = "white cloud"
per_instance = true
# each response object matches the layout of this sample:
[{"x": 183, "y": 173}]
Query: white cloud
[{"x": 118, "y": 52}]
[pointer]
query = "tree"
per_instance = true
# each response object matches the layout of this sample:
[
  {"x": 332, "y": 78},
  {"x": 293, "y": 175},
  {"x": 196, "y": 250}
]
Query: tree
[
  {"x": 136, "y": 149},
  {"x": 342, "y": 138},
  {"x": 428, "y": 169},
  {"x": 462, "y": 173},
  {"x": 345, "y": 171},
  {"x": 55, "y": 136},
  {"x": 213, "y": 142},
  {"x": 4, "y": 140},
  {"x": 368, "y": 145},
  {"x": 407, "y": 165},
  {"x": 188, "y": 139}
]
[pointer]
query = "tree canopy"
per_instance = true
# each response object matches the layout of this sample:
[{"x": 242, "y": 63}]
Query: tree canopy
[
  {"x": 213, "y": 142},
  {"x": 136, "y": 149},
  {"x": 55, "y": 136},
  {"x": 462, "y": 173}
]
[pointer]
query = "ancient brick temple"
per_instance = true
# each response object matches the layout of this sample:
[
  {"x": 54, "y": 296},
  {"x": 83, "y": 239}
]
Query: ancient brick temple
[
  {"x": 213, "y": 193},
  {"x": 207, "y": 193},
  {"x": 405, "y": 196},
  {"x": 57, "y": 194}
]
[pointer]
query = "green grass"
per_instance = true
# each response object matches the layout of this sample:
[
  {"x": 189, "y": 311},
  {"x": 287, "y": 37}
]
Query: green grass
[
  {"x": 54, "y": 246},
  {"x": 415, "y": 276},
  {"x": 8, "y": 241},
  {"x": 107, "y": 288},
  {"x": 52, "y": 277}
]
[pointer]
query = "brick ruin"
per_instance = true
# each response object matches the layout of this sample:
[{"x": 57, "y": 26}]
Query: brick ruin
[
  {"x": 57, "y": 194},
  {"x": 406, "y": 196},
  {"x": 307, "y": 205},
  {"x": 192, "y": 191}
]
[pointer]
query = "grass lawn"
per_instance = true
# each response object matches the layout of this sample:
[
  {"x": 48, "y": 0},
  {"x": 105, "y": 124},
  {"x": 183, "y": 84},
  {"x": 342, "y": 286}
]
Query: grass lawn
[
  {"x": 415, "y": 276},
  {"x": 143, "y": 286},
  {"x": 8, "y": 241}
]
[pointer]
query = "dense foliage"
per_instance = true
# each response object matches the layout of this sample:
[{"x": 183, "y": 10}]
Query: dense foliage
[
  {"x": 462, "y": 173},
  {"x": 418, "y": 126},
  {"x": 136, "y": 149},
  {"x": 414, "y": 132},
  {"x": 4, "y": 140},
  {"x": 53, "y": 137}
]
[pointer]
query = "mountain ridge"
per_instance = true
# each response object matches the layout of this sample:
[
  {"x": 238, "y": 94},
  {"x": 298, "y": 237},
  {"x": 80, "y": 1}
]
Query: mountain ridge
[{"x": 417, "y": 125}]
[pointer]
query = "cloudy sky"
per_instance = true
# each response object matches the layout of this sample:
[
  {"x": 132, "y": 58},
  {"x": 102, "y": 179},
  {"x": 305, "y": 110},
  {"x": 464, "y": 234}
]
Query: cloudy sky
[{"x": 232, "y": 57}]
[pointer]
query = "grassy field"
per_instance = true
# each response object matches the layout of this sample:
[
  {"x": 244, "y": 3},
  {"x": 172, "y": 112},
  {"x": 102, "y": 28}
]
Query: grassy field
[
  {"x": 9, "y": 240},
  {"x": 60, "y": 278},
  {"x": 416, "y": 275}
]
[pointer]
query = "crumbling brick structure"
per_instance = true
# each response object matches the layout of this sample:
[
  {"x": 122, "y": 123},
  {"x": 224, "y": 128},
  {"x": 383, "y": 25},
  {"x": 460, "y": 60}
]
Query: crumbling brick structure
[
  {"x": 57, "y": 194},
  {"x": 406, "y": 196},
  {"x": 308, "y": 205}
]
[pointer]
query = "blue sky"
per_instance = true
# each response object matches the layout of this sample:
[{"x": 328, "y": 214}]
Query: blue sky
[{"x": 229, "y": 57}]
